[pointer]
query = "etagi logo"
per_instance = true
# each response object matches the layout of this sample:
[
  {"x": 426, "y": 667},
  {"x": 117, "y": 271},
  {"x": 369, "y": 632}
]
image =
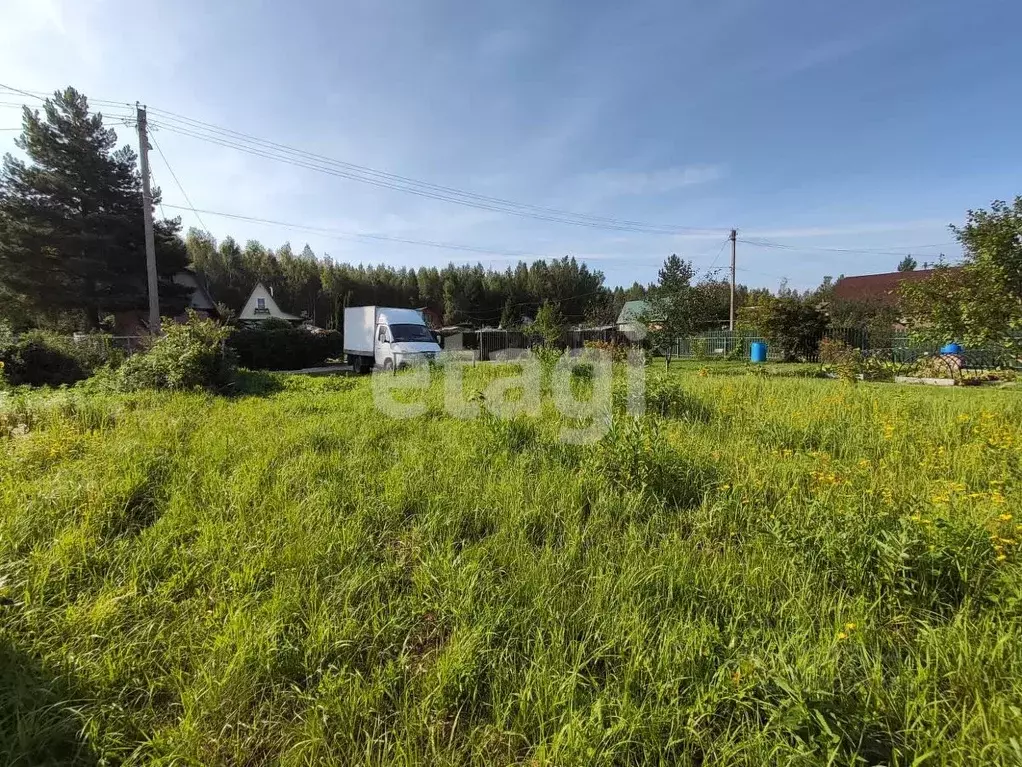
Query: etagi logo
[{"x": 523, "y": 386}]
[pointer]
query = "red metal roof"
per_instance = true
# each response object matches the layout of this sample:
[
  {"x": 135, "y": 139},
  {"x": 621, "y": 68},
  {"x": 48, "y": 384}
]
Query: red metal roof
[{"x": 876, "y": 287}]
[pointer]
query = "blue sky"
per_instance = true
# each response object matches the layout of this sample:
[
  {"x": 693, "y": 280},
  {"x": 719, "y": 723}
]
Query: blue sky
[{"x": 825, "y": 127}]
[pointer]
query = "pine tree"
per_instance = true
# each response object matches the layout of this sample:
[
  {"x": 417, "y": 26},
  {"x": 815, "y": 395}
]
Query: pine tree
[
  {"x": 907, "y": 264},
  {"x": 509, "y": 316},
  {"x": 71, "y": 223}
]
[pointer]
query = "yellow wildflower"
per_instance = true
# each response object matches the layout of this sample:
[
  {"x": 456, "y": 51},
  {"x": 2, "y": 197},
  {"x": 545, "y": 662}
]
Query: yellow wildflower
[{"x": 842, "y": 635}]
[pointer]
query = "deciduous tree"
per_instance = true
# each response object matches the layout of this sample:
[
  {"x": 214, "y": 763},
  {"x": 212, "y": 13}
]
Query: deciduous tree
[
  {"x": 675, "y": 306},
  {"x": 980, "y": 303}
]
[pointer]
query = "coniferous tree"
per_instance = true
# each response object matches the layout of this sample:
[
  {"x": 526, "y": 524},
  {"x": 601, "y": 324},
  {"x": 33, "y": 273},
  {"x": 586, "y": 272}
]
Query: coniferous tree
[{"x": 71, "y": 221}]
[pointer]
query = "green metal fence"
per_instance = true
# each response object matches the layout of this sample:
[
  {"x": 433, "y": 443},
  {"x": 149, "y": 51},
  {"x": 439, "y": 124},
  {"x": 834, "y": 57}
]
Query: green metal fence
[{"x": 725, "y": 344}]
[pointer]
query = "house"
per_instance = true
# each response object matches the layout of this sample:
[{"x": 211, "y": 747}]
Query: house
[
  {"x": 876, "y": 288},
  {"x": 629, "y": 320},
  {"x": 261, "y": 306},
  {"x": 136, "y": 321},
  {"x": 201, "y": 301}
]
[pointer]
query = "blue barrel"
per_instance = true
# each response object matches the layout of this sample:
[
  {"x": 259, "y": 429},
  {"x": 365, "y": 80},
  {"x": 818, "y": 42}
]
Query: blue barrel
[
  {"x": 951, "y": 348},
  {"x": 757, "y": 351}
]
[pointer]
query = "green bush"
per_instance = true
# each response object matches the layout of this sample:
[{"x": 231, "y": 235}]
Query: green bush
[
  {"x": 192, "y": 355},
  {"x": 281, "y": 348},
  {"x": 795, "y": 326},
  {"x": 45, "y": 358},
  {"x": 844, "y": 361},
  {"x": 36, "y": 361},
  {"x": 700, "y": 349},
  {"x": 618, "y": 351},
  {"x": 737, "y": 352}
]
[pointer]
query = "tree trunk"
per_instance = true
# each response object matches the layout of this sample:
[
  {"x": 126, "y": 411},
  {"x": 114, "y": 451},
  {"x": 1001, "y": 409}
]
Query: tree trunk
[{"x": 93, "y": 316}]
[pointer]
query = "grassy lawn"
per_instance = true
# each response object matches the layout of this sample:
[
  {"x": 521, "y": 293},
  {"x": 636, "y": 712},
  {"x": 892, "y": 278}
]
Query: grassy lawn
[{"x": 760, "y": 570}]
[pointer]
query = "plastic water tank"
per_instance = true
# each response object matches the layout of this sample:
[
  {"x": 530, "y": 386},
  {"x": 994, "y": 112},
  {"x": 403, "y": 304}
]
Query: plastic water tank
[{"x": 758, "y": 351}]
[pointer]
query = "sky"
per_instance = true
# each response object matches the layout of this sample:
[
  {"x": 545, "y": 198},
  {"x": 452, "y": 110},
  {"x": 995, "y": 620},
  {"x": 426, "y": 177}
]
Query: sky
[{"x": 848, "y": 133}]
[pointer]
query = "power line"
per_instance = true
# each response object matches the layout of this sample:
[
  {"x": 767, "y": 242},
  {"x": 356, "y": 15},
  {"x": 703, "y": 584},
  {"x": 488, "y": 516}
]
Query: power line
[
  {"x": 152, "y": 178},
  {"x": 199, "y": 125},
  {"x": 178, "y": 182},
  {"x": 714, "y": 261},
  {"x": 345, "y": 235},
  {"x": 867, "y": 252},
  {"x": 18, "y": 90},
  {"x": 43, "y": 96},
  {"x": 282, "y": 153}
]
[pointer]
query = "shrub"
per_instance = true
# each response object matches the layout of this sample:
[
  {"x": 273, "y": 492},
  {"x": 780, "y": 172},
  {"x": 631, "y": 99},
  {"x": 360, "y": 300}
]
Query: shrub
[
  {"x": 39, "y": 358},
  {"x": 737, "y": 352},
  {"x": 841, "y": 359},
  {"x": 193, "y": 355},
  {"x": 796, "y": 327},
  {"x": 45, "y": 358},
  {"x": 700, "y": 349},
  {"x": 548, "y": 356},
  {"x": 280, "y": 348},
  {"x": 618, "y": 352}
]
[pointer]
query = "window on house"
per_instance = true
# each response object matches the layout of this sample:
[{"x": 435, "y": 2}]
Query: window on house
[{"x": 260, "y": 303}]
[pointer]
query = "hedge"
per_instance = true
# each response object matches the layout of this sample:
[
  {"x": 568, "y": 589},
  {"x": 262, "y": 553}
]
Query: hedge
[{"x": 284, "y": 348}]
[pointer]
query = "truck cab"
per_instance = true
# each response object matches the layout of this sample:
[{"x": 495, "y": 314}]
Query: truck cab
[{"x": 387, "y": 338}]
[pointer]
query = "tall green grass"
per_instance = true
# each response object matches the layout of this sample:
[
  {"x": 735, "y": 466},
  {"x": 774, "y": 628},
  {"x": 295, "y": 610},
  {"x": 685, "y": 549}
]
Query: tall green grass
[{"x": 758, "y": 571}]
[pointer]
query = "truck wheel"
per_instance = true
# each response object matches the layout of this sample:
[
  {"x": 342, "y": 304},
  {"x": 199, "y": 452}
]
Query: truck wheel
[{"x": 388, "y": 365}]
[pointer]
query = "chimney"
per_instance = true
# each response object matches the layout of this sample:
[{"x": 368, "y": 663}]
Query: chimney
[{"x": 271, "y": 291}]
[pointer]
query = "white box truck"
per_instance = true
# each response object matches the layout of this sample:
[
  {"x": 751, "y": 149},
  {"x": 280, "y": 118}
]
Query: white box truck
[{"x": 387, "y": 338}]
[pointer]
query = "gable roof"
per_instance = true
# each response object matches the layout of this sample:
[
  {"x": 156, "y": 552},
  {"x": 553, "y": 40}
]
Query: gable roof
[
  {"x": 632, "y": 311},
  {"x": 251, "y": 310},
  {"x": 200, "y": 296},
  {"x": 882, "y": 288}
]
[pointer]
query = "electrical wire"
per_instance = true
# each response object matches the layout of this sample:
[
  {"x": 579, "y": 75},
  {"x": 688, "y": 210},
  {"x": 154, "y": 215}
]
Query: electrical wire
[
  {"x": 178, "y": 182},
  {"x": 363, "y": 174},
  {"x": 709, "y": 269},
  {"x": 871, "y": 252},
  {"x": 43, "y": 96},
  {"x": 346, "y": 235},
  {"x": 343, "y": 235},
  {"x": 199, "y": 125}
]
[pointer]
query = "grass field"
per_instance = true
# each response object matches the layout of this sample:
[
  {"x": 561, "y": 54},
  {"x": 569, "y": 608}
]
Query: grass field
[{"x": 758, "y": 571}]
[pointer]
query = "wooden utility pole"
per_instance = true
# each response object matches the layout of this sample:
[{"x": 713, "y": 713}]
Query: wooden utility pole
[
  {"x": 733, "y": 238},
  {"x": 147, "y": 214}
]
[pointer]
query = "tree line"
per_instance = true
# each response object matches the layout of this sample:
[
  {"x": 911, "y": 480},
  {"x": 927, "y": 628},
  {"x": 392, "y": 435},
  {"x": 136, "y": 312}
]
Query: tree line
[
  {"x": 72, "y": 254},
  {"x": 72, "y": 251},
  {"x": 320, "y": 287}
]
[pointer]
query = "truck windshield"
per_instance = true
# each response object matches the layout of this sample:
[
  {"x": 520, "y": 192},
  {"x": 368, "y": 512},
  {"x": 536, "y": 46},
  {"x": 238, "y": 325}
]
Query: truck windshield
[{"x": 410, "y": 333}]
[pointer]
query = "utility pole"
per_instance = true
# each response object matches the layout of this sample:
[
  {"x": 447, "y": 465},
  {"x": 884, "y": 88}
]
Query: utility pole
[
  {"x": 733, "y": 238},
  {"x": 147, "y": 214}
]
